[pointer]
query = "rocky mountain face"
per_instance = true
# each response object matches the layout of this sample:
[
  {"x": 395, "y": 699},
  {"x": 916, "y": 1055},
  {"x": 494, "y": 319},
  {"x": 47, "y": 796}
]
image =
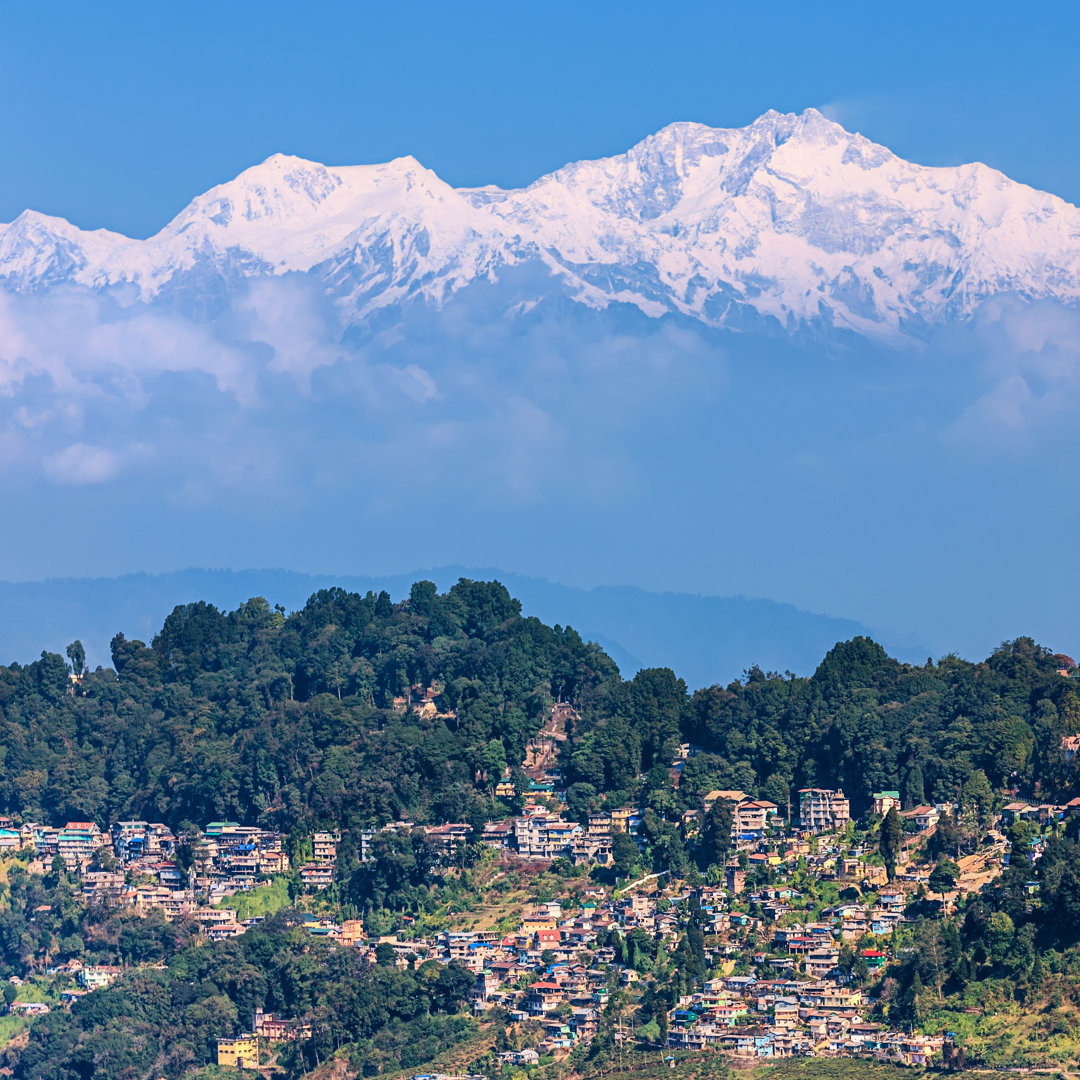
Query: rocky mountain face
[{"x": 791, "y": 221}]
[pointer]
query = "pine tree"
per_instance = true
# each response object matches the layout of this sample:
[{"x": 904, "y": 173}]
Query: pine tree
[{"x": 891, "y": 837}]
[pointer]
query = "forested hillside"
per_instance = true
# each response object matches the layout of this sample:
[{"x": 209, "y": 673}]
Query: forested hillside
[
  {"x": 356, "y": 711},
  {"x": 164, "y": 1021}
]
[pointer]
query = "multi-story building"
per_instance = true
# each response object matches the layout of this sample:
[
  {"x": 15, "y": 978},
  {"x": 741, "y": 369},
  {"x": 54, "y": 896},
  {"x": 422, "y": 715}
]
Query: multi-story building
[
  {"x": 720, "y": 795},
  {"x": 599, "y": 826},
  {"x": 450, "y": 837},
  {"x": 325, "y": 845},
  {"x": 129, "y": 840},
  {"x": 925, "y": 817},
  {"x": 822, "y": 810},
  {"x": 43, "y": 838},
  {"x": 591, "y": 849},
  {"x": 239, "y": 1053},
  {"x": 77, "y": 842},
  {"x": 545, "y": 836},
  {"x": 95, "y": 978},
  {"x": 317, "y": 875},
  {"x": 267, "y": 1026},
  {"x": 752, "y": 817}
]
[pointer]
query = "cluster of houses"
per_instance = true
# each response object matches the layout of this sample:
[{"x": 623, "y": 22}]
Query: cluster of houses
[
  {"x": 749, "y": 1017},
  {"x": 1039, "y": 813},
  {"x": 136, "y": 862},
  {"x": 556, "y": 969}
]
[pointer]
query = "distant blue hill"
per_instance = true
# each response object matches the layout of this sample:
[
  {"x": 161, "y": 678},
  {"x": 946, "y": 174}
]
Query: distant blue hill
[{"x": 705, "y": 639}]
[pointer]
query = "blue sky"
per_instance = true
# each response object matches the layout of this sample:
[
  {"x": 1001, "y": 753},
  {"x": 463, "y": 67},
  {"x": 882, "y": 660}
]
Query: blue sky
[
  {"x": 921, "y": 493},
  {"x": 117, "y": 114}
]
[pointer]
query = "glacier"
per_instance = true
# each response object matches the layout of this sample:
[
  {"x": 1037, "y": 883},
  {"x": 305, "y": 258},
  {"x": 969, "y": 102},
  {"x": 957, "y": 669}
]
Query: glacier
[{"x": 789, "y": 223}]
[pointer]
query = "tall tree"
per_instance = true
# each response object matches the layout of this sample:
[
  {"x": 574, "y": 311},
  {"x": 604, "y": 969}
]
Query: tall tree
[
  {"x": 77, "y": 655},
  {"x": 716, "y": 834},
  {"x": 892, "y": 835}
]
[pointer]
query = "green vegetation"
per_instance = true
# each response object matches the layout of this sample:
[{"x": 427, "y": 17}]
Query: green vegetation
[
  {"x": 839, "y": 1069},
  {"x": 43, "y": 923},
  {"x": 308, "y": 721},
  {"x": 161, "y": 1023},
  {"x": 355, "y": 712},
  {"x": 262, "y": 901}
]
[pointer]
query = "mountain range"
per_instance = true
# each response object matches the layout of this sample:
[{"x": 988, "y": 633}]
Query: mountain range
[
  {"x": 791, "y": 222},
  {"x": 705, "y": 639}
]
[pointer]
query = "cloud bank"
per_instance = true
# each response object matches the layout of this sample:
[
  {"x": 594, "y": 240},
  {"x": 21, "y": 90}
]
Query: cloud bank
[{"x": 588, "y": 446}]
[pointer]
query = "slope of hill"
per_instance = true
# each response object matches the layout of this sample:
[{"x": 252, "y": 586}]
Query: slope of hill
[{"x": 706, "y": 639}]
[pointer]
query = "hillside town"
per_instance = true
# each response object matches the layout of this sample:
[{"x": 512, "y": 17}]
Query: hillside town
[{"x": 788, "y": 973}]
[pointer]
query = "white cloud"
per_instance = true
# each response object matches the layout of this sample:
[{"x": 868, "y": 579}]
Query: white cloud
[
  {"x": 81, "y": 463},
  {"x": 1030, "y": 353}
]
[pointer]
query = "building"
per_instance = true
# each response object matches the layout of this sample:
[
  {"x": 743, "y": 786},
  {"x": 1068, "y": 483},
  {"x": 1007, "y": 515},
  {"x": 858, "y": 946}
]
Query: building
[
  {"x": 326, "y": 845},
  {"x": 752, "y": 818},
  {"x": 925, "y": 817},
  {"x": 129, "y": 840},
  {"x": 599, "y": 827},
  {"x": 822, "y": 810},
  {"x": 1070, "y": 747},
  {"x": 521, "y": 1058},
  {"x": 239, "y": 1053},
  {"x": 734, "y": 879},
  {"x": 77, "y": 842},
  {"x": 317, "y": 875},
  {"x": 713, "y": 797},
  {"x": 97, "y": 978},
  {"x": 545, "y": 836},
  {"x": 498, "y": 834},
  {"x": 450, "y": 838},
  {"x": 625, "y": 818},
  {"x": 268, "y": 1026},
  {"x": 352, "y": 933},
  {"x": 884, "y": 801}
]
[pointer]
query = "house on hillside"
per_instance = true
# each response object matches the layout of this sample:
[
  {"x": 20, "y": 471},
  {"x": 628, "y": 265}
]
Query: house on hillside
[
  {"x": 924, "y": 817},
  {"x": 822, "y": 810}
]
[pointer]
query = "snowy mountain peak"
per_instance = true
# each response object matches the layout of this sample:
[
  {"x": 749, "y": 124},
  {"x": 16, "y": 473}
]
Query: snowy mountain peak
[{"x": 791, "y": 219}]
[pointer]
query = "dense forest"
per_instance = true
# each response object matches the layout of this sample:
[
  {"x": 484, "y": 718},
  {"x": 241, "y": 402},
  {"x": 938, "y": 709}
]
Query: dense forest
[{"x": 310, "y": 720}]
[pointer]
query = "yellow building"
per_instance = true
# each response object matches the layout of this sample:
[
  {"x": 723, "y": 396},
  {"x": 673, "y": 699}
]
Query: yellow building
[
  {"x": 352, "y": 932},
  {"x": 239, "y": 1053}
]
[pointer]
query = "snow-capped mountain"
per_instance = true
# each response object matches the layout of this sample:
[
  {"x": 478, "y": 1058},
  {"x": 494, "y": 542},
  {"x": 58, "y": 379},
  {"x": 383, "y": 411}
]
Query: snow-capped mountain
[{"x": 792, "y": 219}]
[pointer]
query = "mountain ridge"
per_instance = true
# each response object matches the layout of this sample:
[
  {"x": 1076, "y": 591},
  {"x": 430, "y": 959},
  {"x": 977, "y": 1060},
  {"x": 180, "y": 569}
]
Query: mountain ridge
[
  {"x": 705, "y": 639},
  {"x": 791, "y": 220}
]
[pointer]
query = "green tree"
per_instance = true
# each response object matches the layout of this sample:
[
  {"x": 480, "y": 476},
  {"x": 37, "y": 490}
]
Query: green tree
[
  {"x": 977, "y": 797},
  {"x": 890, "y": 838},
  {"x": 77, "y": 655},
  {"x": 715, "y": 841},
  {"x": 624, "y": 853},
  {"x": 943, "y": 876}
]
